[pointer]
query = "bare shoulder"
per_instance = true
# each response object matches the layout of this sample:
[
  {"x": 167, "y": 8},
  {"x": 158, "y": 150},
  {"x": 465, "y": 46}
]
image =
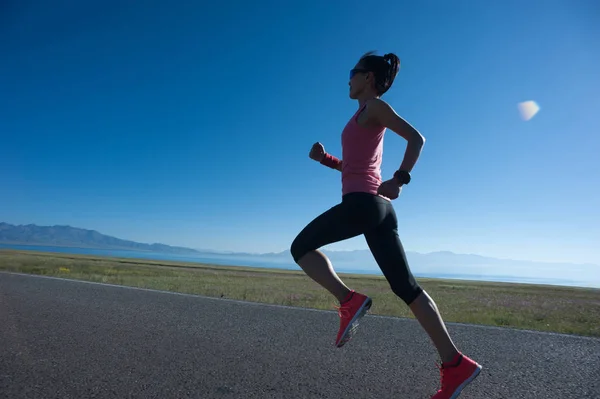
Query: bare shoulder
[
  {"x": 377, "y": 106},
  {"x": 380, "y": 112},
  {"x": 371, "y": 114}
]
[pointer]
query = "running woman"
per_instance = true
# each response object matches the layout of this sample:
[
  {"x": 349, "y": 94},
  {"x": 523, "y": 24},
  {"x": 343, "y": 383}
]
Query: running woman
[{"x": 366, "y": 209}]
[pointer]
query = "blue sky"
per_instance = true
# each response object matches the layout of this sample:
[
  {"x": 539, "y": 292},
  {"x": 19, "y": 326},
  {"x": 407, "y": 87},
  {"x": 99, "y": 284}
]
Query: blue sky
[{"x": 190, "y": 123}]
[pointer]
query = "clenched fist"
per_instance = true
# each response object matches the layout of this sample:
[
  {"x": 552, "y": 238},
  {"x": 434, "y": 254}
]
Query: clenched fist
[
  {"x": 389, "y": 189},
  {"x": 317, "y": 152}
]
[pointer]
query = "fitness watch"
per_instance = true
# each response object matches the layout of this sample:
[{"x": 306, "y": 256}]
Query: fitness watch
[{"x": 402, "y": 177}]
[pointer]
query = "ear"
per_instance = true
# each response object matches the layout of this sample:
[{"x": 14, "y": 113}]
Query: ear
[{"x": 370, "y": 79}]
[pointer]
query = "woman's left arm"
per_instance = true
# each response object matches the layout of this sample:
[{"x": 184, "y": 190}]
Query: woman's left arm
[{"x": 382, "y": 113}]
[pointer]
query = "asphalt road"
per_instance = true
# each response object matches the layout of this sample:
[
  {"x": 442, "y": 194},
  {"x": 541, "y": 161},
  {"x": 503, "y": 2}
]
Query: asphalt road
[{"x": 68, "y": 339}]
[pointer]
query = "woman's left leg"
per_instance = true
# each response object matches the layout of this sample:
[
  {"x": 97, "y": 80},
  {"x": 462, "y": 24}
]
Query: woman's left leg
[
  {"x": 387, "y": 249},
  {"x": 389, "y": 253}
]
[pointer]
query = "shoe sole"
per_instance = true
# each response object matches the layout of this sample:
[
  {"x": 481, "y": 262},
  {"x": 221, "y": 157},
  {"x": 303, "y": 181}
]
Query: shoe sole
[
  {"x": 351, "y": 329},
  {"x": 467, "y": 382}
]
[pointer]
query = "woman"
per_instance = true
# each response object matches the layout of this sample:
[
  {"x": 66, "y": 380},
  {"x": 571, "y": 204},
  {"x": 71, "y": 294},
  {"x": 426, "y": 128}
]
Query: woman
[{"x": 366, "y": 209}]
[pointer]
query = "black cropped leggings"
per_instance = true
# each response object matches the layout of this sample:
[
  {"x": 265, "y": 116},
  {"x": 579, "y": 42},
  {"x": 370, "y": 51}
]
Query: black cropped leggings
[{"x": 375, "y": 218}]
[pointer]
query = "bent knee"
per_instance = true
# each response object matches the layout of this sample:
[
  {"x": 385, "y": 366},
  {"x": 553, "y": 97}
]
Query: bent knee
[
  {"x": 298, "y": 249},
  {"x": 408, "y": 291}
]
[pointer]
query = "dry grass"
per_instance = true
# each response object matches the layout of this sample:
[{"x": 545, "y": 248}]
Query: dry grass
[{"x": 536, "y": 307}]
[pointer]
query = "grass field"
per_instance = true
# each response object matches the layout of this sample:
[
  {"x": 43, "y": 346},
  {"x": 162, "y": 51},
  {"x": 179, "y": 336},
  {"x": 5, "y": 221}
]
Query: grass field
[{"x": 536, "y": 307}]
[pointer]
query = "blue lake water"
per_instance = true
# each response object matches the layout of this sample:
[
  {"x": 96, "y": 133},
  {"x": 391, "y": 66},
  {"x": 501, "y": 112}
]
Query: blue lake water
[
  {"x": 266, "y": 262},
  {"x": 207, "y": 258}
]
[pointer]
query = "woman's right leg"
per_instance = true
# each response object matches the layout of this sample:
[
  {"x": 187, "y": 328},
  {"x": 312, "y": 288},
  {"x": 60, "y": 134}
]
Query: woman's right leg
[
  {"x": 341, "y": 222},
  {"x": 317, "y": 266},
  {"x": 331, "y": 226}
]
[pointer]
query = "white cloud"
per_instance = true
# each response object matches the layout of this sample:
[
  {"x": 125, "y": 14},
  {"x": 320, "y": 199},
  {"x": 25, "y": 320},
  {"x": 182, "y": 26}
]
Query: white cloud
[{"x": 528, "y": 109}]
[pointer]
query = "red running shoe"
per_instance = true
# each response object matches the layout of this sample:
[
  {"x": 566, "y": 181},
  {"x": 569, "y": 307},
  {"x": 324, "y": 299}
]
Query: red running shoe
[
  {"x": 455, "y": 376},
  {"x": 350, "y": 313}
]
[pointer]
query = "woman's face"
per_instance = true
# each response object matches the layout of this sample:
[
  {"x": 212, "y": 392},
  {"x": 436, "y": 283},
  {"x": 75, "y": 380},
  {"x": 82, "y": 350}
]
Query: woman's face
[{"x": 360, "y": 79}]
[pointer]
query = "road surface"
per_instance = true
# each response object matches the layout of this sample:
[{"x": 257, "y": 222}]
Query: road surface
[{"x": 70, "y": 339}]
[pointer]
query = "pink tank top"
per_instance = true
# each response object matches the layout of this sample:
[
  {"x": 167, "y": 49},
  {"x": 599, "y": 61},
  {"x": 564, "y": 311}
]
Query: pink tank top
[{"x": 362, "y": 150}]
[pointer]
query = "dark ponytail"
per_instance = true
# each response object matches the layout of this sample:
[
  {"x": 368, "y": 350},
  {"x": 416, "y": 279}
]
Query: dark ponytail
[{"x": 384, "y": 68}]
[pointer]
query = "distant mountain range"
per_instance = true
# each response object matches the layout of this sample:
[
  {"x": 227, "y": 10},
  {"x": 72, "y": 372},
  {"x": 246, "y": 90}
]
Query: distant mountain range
[
  {"x": 68, "y": 236},
  {"x": 442, "y": 262},
  {"x": 435, "y": 263}
]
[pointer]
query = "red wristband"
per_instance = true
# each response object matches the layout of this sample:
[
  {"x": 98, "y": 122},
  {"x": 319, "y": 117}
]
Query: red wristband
[{"x": 330, "y": 161}]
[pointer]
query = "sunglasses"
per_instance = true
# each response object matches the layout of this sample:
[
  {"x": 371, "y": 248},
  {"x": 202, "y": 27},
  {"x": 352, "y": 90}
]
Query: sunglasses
[{"x": 357, "y": 70}]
